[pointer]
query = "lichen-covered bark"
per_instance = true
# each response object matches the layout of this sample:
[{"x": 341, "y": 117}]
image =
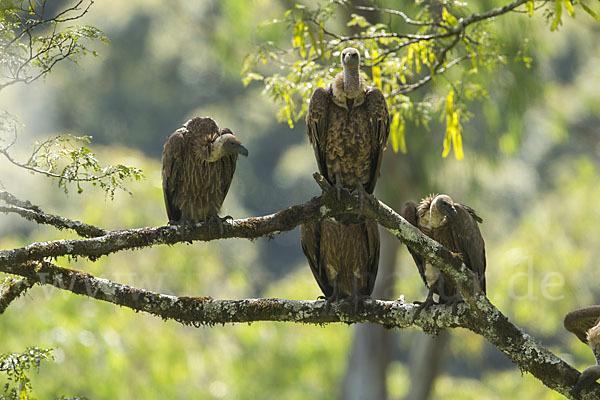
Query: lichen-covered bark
[
  {"x": 11, "y": 289},
  {"x": 478, "y": 314}
]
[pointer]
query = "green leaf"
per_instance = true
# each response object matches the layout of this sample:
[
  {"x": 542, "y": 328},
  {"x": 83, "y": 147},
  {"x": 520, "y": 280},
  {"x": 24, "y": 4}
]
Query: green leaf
[
  {"x": 376, "y": 71},
  {"x": 456, "y": 136},
  {"x": 288, "y": 110},
  {"x": 589, "y": 10},
  {"x": 449, "y": 18},
  {"x": 394, "y": 131},
  {"x": 569, "y": 7},
  {"x": 298, "y": 37},
  {"x": 529, "y": 7},
  {"x": 557, "y": 15}
]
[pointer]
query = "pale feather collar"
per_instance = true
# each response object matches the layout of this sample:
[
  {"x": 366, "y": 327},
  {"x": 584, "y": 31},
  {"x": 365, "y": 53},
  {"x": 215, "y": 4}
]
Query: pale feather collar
[{"x": 339, "y": 97}]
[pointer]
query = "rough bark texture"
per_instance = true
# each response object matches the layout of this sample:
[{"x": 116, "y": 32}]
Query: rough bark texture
[{"x": 477, "y": 314}]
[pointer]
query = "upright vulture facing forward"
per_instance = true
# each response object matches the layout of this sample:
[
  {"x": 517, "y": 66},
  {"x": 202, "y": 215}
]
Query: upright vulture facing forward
[
  {"x": 585, "y": 324},
  {"x": 348, "y": 128},
  {"x": 198, "y": 165},
  {"x": 455, "y": 227}
]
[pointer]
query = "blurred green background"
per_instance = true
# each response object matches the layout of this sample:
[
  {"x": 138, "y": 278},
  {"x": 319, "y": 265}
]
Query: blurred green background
[{"x": 531, "y": 170}]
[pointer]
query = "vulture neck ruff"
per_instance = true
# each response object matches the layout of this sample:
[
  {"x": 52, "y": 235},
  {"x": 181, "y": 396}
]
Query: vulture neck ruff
[
  {"x": 348, "y": 85},
  {"x": 593, "y": 338}
]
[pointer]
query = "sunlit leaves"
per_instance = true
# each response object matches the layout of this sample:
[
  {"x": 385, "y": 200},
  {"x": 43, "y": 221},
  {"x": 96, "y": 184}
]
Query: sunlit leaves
[
  {"x": 16, "y": 366},
  {"x": 398, "y": 62},
  {"x": 397, "y": 133},
  {"x": 67, "y": 159},
  {"x": 453, "y": 135},
  {"x": 529, "y": 7}
]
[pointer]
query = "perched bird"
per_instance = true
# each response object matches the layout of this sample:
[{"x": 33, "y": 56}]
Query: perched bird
[
  {"x": 585, "y": 324},
  {"x": 198, "y": 165},
  {"x": 348, "y": 128},
  {"x": 454, "y": 226},
  {"x": 343, "y": 257}
]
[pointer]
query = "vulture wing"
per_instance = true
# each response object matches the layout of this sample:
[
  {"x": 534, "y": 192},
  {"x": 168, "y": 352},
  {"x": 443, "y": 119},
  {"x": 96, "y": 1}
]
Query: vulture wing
[
  {"x": 469, "y": 240},
  {"x": 582, "y": 320},
  {"x": 310, "y": 237},
  {"x": 172, "y": 167},
  {"x": 372, "y": 237},
  {"x": 410, "y": 214},
  {"x": 316, "y": 122},
  {"x": 380, "y": 126}
]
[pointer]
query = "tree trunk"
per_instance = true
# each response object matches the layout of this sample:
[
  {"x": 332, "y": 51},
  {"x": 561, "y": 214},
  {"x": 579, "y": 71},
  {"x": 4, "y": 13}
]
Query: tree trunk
[{"x": 426, "y": 360}]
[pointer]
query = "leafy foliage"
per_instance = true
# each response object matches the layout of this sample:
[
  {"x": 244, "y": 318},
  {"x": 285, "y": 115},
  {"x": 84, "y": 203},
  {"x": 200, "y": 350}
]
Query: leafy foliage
[
  {"x": 32, "y": 42},
  {"x": 67, "y": 159},
  {"x": 401, "y": 56},
  {"x": 16, "y": 366}
]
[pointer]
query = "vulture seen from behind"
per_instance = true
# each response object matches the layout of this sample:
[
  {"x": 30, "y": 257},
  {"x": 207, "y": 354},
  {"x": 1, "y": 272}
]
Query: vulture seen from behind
[
  {"x": 585, "y": 324},
  {"x": 348, "y": 127},
  {"x": 198, "y": 163},
  {"x": 455, "y": 227}
]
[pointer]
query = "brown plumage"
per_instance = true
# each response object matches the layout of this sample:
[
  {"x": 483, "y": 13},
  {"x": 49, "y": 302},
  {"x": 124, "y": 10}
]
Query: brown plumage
[
  {"x": 455, "y": 227},
  {"x": 348, "y": 128},
  {"x": 343, "y": 257},
  {"x": 585, "y": 324},
  {"x": 198, "y": 164}
]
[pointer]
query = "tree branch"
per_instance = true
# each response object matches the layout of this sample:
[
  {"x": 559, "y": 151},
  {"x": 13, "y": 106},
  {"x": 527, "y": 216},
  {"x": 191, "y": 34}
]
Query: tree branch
[
  {"x": 11, "y": 290},
  {"x": 478, "y": 314},
  {"x": 35, "y": 214}
]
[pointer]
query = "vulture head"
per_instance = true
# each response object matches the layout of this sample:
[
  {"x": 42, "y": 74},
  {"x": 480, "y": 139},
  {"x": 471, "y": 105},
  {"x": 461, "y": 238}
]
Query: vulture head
[
  {"x": 442, "y": 209},
  {"x": 226, "y": 144},
  {"x": 350, "y": 58}
]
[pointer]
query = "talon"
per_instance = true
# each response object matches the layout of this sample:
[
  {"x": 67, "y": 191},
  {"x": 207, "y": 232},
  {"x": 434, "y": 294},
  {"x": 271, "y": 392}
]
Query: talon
[{"x": 423, "y": 305}]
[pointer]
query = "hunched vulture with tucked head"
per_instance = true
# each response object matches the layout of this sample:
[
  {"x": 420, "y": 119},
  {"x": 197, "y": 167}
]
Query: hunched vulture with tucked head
[
  {"x": 454, "y": 226},
  {"x": 585, "y": 324},
  {"x": 348, "y": 128},
  {"x": 198, "y": 164}
]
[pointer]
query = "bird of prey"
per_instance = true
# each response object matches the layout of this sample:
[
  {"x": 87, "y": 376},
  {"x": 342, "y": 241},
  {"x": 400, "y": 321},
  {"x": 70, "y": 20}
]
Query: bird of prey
[
  {"x": 343, "y": 257},
  {"x": 198, "y": 164},
  {"x": 348, "y": 128},
  {"x": 454, "y": 226},
  {"x": 585, "y": 324}
]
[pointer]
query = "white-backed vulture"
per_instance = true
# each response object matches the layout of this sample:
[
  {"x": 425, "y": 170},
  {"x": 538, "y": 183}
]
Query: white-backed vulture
[
  {"x": 198, "y": 163},
  {"x": 454, "y": 226},
  {"x": 585, "y": 324},
  {"x": 348, "y": 127}
]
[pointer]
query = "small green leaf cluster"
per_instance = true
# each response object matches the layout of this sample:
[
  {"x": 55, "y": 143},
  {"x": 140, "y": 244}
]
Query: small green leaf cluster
[
  {"x": 16, "y": 366},
  {"x": 67, "y": 158}
]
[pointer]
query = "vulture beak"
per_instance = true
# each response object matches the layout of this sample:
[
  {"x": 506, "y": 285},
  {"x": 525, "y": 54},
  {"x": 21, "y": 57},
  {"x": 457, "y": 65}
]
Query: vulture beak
[
  {"x": 242, "y": 150},
  {"x": 449, "y": 210}
]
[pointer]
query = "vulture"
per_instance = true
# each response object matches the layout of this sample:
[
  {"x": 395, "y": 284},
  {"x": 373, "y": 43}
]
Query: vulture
[
  {"x": 343, "y": 257},
  {"x": 585, "y": 324},
  {"x": 348, "y": 127},
  {"x": 455, "y": 227},
  {"x": 198, "y": 163}
]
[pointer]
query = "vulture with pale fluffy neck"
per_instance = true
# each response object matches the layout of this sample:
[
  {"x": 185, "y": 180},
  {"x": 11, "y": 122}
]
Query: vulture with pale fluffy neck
[
  {"x": 585, "y": 324},
  {"x": 198, "y": 164},
  {"x": 348, "y": 128},
  {"x": 455, "y": 227}
]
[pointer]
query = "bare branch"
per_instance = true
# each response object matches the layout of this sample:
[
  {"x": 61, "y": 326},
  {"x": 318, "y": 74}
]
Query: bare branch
[{"x": 81, "y": 228}]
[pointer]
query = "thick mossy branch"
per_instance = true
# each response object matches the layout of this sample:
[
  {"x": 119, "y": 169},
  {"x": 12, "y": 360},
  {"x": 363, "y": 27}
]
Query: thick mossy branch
[{"x": 477, "y": 315}]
